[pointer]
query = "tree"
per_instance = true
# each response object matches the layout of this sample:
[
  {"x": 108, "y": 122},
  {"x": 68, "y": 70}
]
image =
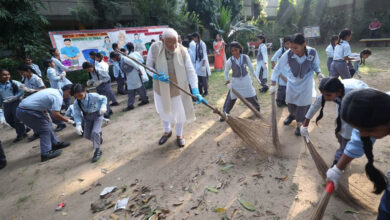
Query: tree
[
  {"x": 305, "y": 15},
  {"x": 286, "y": 12},
  {"x": 22, "y": 27}
]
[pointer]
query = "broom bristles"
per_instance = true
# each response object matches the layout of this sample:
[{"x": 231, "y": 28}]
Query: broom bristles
[
  {"x": 319, "y": 210},
  {"x": 342, "y": 189},
  {"x": 251, "y": 132}
]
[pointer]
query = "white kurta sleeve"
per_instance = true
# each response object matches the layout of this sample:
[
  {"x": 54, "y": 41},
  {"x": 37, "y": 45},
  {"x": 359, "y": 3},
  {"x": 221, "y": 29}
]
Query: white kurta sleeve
[
  {"x": 228, "y": 66},
  {"x": 314, "y": 107},
  {"x": 276, "y": 56}
]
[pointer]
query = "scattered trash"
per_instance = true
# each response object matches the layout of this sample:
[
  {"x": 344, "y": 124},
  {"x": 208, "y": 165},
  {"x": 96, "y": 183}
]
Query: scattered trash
[
  {"x": 227, "y": 167},
  {"x": 211, "y": 189},
  {"x": 107, "y": 190},
  {"x": 104, "y": 170},
  {"x": 351, "y": 211},
  {"x": 60, "y": 206},
  {"x": 247, "y": 205},
  {"x": 101, "y": 205},
  {"x": 220, "y": 210},
  {"x": 121, "y": 204}
]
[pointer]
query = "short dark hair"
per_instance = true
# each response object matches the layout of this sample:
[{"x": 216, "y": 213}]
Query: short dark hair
[
  {"x": 67, "y": 39},
  {"x": 114, "y": 55},
  {"x": 52, "y": 50},
  {"x": 67, "y": 87},
  {"x": 77, "y": 88},
  {"x": 87, "y": 65},
  {"x": 92, "y": 53},
  {"x": 47, "y": 62},
  {"x": 115, "y": 46}
]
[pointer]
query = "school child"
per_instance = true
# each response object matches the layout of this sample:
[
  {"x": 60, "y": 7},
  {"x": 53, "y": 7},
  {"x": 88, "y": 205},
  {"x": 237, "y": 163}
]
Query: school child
[
  {"x": 282, "y": 81},
  {"x": 35, "y": 67},
  {"x": 363, "y": 56},
  {"x": 298, "y": 65},
  {"x": 57, "y": 81},
  {"x": 3, "y": 159},
  {"x": 103, "y": 68},
  {"x": 241, "y": 81},
  {"x": 330, "y": 50},
  {"x": 32, "y": 82},
  {"x": 136, "y": 55},
  {"x": 333, "y": 89},
  {"x": 342, "y": 53},
  {"x": 120, "y": 78},
  {"x": 102, "y": 82},
  {"x": 55, "y": 57},
  {"x": 134, "y": 81},
  {"x": 89, "y": 109},
  {"x": 33, "y": 112},
  {"x": 11, "y": 93},
  {"x": 201, "y": 64},
  {"x": 262, "y": 63},
  {"x": 367, "y": 111}
]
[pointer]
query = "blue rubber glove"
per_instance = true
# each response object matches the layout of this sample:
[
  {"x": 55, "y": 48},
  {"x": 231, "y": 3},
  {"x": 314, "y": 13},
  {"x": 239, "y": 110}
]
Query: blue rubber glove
[
  {"x": 162, "y": 77},
  {"x": 199, "y": 97}
]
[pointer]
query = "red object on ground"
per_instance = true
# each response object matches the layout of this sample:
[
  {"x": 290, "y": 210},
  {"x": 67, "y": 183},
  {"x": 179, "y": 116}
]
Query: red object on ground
[{"x": 60, "y": 206}]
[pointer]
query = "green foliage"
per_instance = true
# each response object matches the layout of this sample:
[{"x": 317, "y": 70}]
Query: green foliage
[
  {"x": 84, "y": 15},
  {"x": 286, "y": 12}
]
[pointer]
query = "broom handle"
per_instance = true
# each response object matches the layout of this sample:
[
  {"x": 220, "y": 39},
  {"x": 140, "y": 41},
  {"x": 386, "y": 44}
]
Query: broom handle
[{"x": 172, "y": 83}]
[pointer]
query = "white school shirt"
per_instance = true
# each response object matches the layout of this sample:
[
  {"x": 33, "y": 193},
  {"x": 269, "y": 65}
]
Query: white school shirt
[
  {"x": 349, "y": 85},
  {"x": 342, "y": 50},
  {"x": 35, "y": 82},
  {"x": 299, "y": 91},
  {"x": 329, "y": 51},
  {"x": 59, "y": 67},
  {"x": 198, "y": 63},
  {"x": 264, "y": 52}
]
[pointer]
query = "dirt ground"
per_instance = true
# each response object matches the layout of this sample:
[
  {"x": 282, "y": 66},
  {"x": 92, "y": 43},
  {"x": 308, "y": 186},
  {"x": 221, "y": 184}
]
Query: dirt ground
[{"x": 183, "y": 181}]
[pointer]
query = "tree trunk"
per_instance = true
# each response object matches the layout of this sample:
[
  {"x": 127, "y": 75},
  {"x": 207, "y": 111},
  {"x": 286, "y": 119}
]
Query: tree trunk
[{"x": 303, "y": 21}]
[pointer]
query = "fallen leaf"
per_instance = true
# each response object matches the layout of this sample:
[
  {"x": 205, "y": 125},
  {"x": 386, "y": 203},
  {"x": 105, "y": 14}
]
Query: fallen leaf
[
  {"x": 165, "y": 211},
  {"x": 177, "y": 204},
  {"x": 220, "y": 210},
  {"x": 351, "y": 211},
  {"x": 233, "y": 213},
  {"x": 86, "y": 190},
  {"x": 132, "y": 208},
  {"x": 211, "y": 189},
  {"x": 247, "y": 205},
  {"x": 258, "y": 175},
  {"x": 227, "y": 167},
  {"x": 282, "y": 178}
]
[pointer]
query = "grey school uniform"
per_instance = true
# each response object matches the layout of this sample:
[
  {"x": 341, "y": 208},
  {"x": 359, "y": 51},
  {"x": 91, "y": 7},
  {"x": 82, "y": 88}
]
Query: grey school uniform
[
  {"x": 339, "y": 66},
  {"x": 241, "y": 82},
  {"x": 346, "y": 130},
  {"x": 262, "y": 60},
  {"x": 86, "y": 112},
  {"x": 134, "y": 81},
  {"x": 299, "y": 72}
]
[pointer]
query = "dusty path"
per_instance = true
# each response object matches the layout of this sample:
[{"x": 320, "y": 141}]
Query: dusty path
[{"x": 279, "y": 188}]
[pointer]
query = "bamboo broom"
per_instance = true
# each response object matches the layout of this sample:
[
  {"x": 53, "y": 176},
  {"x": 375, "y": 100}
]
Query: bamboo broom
[
  {"x": 248, "y": 104},
  {"x": 342, "y": 190},
  {"x": 275, "y": 134},
  {"x": 247, "y": 130},
  {"x": 320, "y": 208}
]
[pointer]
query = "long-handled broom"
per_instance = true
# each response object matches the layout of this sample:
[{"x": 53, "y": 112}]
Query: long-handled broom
[
  {"x": 319, "y": 210},
  {"x": 342, "y": 189},
  {"x": 275, "y": 134},
  {"x": 247, "y": 130},
  {"x": 248, "y": 104}
]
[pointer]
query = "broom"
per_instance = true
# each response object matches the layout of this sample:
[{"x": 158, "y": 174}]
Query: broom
[
  {"x": 244, "y": 128},
  {"x": 248, "y": 104},
  {"x": 342, "y": 190},
  {"x": 275, "y": 134},
  {"x": 319, "y": 210}
]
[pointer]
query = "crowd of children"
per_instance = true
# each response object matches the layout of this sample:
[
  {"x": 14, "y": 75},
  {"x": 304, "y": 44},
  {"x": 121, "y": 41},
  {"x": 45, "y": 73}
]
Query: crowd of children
[{"x": 30, "y": 105}]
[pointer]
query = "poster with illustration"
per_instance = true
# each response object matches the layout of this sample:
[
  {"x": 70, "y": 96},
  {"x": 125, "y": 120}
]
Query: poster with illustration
[
  {"x": 75, "y": 46},
  {"x": 311, "y": 32}
]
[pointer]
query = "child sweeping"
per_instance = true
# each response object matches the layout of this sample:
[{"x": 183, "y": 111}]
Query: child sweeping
[
  {"x": 367, "y": 111},
  {"x": 262, "y": 63},
  {"x": 282, "y": 81},
  {"x": 298, "y": 65},
  {"x": 89, "y": 108},
  {"x": 241, "y": 80},
  {"x": 333, "y": 89}
]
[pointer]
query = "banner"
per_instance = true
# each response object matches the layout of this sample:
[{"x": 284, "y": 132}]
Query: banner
[
  {"x": 311, "y": 32},
  {"x": 75, "y": 46}
]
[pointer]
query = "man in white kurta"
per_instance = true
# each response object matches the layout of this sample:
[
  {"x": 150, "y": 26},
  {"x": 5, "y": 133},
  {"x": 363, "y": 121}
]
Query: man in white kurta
[{"x": 172, "y": 61}]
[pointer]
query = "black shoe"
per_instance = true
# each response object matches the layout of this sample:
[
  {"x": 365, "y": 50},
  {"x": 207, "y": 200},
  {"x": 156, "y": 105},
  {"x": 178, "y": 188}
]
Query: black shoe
[
  {"x": 114, "y": 104},
  {"x": 128, "y": 108},
  {"x": 3, "y": 163},
  {"x": 96, "y": 156},
  {"x": 107, "y": 116},
  {"x": 33, "y": 137},
  {"x": 181, "y": 142},
  {"x": 164, "y": 138},
  {"x": 279, "y": 103},
  {"x": 288, "y": 120},
  {"x": 50, "y": 155},
  {"x": 60, "y": 145},
  {"x": 60, "y": 127},
  {"x": 19, "y": 138},
  {"x": 143, "y": 103},
  {"x": 264, "y": 89},
  {"x": 298, "y": 131}
]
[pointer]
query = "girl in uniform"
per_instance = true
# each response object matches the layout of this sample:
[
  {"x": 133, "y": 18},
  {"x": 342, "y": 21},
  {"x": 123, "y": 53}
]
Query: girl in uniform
[
  {"x": 342, "y": 53},
  {"x": 201, "y": 64},
  {"x": 298, "y": 65},
  {"x": 282, "y": 81},
  {"x": 31, "y": 81},
  {"x": 367, "y": 111},
  {"x": 262, "y": 63},
  {"x": 89, "y": 108},
  {"x": 363, "y": 56},
  {"x": 330, "y": 50},
  {"x": 11, "y": 93},
  {"x": 333, "y": 89},
  {"x": 241, "y": 81}
]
